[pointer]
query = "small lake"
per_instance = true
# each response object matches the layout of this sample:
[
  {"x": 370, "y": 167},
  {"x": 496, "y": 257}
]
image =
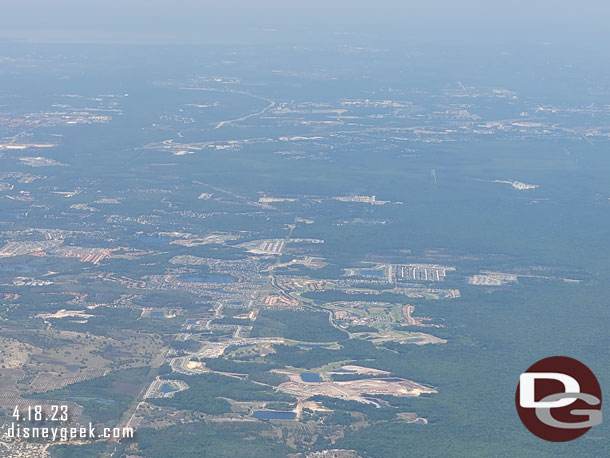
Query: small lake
[
  {"x": 310, "y": 377},
  {"x": 274, "y": 415},
  {"x": 165, "y": 388},
  {"x": 371, "y": 272}
]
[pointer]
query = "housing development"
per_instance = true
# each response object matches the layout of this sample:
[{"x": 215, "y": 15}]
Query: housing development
[{"x": 235, "y": 254}]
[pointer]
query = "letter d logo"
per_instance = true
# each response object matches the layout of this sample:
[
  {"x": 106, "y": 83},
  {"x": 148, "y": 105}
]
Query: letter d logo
[{"x": 528, "y": 389}]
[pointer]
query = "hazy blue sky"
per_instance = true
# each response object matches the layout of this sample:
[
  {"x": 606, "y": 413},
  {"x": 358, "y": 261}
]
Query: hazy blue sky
[{"x": 241, "y": 21}]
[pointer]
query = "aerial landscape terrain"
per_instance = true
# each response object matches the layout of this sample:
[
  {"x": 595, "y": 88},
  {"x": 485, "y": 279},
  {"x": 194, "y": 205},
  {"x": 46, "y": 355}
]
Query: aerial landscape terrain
[{"x": 344, "y": 250}]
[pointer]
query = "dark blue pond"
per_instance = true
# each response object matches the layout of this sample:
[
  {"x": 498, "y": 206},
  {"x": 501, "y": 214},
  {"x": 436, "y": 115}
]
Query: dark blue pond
[
  {"x": 274, "y": 415},
  {"x": 157, "y": 314},
  {"x": 165, "y": 388},
  {"x": 310, "y": 377},
  {"x": 205, "y": 279},
  {"x": 374, "y": 273}
]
